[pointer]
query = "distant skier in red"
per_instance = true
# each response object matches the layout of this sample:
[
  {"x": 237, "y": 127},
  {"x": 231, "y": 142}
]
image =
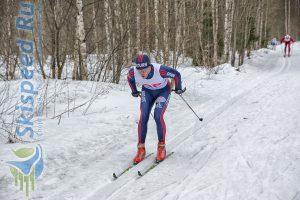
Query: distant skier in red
[{"x": 288, "y": 40}]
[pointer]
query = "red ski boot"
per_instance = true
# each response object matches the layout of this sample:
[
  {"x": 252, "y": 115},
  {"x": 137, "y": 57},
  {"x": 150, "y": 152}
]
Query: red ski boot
[
  {"x": 140, "y": 154},
  {"x": 161, "y": 152}
]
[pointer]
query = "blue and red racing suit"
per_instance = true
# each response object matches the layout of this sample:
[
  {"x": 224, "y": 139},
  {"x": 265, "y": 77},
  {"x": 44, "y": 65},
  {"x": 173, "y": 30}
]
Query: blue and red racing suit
[{"x": 156, "y": 88}]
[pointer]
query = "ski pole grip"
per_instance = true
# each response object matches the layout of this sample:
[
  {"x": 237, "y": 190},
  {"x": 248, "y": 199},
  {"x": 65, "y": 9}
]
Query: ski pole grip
[{"x": 184, "y": 89}]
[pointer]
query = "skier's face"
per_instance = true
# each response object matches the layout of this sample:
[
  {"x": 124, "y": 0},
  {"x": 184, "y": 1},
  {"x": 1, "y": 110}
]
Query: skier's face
[{"x": 144, "y": 72}]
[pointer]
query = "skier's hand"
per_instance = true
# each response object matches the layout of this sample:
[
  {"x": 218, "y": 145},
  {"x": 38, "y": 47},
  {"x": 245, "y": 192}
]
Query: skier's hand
[
  {"x": 179, "y": 91},
  {"x": 136, "y": 94}
]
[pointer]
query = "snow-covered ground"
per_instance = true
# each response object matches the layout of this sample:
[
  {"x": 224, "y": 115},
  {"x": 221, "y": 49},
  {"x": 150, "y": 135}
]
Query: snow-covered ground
[{"x": 247, "y": 147}]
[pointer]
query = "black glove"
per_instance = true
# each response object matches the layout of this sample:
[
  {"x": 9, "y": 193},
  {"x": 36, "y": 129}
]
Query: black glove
[
  {"x": 179, "y": 91},
  {"x": 136, "y": 94}
]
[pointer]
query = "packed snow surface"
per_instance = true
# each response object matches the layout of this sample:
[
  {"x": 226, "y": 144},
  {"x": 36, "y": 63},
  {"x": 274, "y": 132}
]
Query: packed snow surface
[{"x": 246, "y": 148}]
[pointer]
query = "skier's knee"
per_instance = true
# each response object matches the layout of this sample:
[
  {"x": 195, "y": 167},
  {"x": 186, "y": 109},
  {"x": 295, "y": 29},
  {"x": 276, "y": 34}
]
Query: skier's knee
[{"x": 145, "y": 117}]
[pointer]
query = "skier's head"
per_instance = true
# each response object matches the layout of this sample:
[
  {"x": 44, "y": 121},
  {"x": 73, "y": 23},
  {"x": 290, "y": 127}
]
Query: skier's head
[
  {"x": 287, "y": 37},
  {"x": 143, "y": 65},
  {"x": 142, "y": 61}
]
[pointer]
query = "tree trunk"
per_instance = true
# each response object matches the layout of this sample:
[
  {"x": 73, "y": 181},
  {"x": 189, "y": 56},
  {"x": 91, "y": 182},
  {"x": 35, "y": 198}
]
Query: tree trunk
[
  {"x": 215, "y": 31},
  {"x": 156, "y": 30},
  {"x": 286, "y": 16},
  {"x": 266, "y": 23},
  {"x": 183, "y": 22},
  {"x": 147, "y": 26},
  {"x": 228, "y": 29},
  {"x": 258, "y": 20},
  {"x": 166, "y": 33},
  {"x": 10, "y": 69},
  {"x": 177, "y": 33},
  {"x": 108, "y": 36},
  {"x": 234, "y": 30},
  {"x": 80, "y": 44},
  {"x": 57, "y": 51},
  {"x": 120, "y": 31},
  {"x": 129, "y": 55},
  {"x": 96, "y": 35},
  {"x": 261, "y": 24},
  {"x": 201, "y": 58},
  {"x": 53, "y": 62},
  {"x": 289, "y": 18},
  {"x": 138, "y": 25}
]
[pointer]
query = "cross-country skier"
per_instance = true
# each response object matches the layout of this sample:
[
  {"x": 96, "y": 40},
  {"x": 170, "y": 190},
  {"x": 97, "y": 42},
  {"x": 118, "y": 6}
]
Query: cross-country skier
[
  {"x": 274, "y": 43},
  {"x": 156, "y": 88},
  {"x": 287, "y": 43}
]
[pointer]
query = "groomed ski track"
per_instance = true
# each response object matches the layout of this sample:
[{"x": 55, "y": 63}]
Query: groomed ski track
[{"x": 246, "y": 147}]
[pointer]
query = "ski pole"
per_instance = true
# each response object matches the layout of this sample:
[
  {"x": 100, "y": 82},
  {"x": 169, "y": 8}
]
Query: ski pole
[{"x": 200, "y": 118}]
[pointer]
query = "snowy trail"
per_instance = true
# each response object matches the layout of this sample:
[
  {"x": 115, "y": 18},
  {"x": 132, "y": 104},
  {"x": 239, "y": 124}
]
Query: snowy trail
[
  {"x": 255, "y": 149},
  {"x": 223, "y": 153},
  {"x": 246, "y": 148}
]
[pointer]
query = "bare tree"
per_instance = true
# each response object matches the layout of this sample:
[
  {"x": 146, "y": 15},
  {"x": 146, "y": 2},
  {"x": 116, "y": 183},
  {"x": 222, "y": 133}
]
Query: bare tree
[
  {"x": 289, "y": 17},
  {"x": 108, "y": 27},
  {"x": 228, "y": 28},
  {"x": 138, "y": 24},
  {"x": 156, "y": 24},
  {"x": 178, "y": 25},
  {"x": 215, "y": 30},
  {"x": 147, "y": 19},
  {"x": 286, "y": 15},
  {"x": 209, "y": 31},
  {"x": 80, "y": 70},
  {"x": 166, "y": 32},
  {"x": 8, "y": 36}
]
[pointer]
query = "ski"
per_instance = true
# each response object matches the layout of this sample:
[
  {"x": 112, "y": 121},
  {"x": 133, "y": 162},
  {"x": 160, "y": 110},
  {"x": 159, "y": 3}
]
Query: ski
[
  {"x": 116, "y": 176},
  {"x": 152, "y": 166}
]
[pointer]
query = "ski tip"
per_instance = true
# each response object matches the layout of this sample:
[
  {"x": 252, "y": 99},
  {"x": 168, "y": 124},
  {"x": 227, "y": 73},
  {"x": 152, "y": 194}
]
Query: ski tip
[
  {"x": 115, "y": 176},
  {"x": 139, "y": 173}
]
